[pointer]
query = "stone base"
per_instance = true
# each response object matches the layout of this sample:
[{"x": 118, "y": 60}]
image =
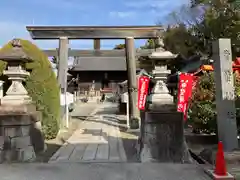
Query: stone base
[
  {"x": 163, "y": 138},
  {"x": 162, "y": 102},
  {"x": 168, "y": 98},
  {"x": 15, "y": 100},
  {"x": 145, "y": 154},
  {"x": 161, "y": 107},
  {"x": 26, "y": 154},
  {"x": 15, "y": 140},
  {"x": 17, "y": 126},
  {"x": 17, "y": 109},
  {"x": 216, "y": 177}
]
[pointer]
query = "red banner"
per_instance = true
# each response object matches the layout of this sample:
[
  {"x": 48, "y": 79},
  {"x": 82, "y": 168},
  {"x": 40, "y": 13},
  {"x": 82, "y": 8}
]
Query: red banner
[
  {"x": 184, "y": 92},
  {"x": 143, "y": 84}
]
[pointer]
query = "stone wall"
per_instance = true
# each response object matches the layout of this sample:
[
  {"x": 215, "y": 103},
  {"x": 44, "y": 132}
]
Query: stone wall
[{"x": 20, "y": 138}]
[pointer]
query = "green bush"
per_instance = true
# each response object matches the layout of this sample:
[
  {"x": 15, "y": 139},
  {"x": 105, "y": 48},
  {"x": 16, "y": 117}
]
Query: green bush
[
  {"x": 202, "y": 109},
  {"x": 42, "y": 86}
]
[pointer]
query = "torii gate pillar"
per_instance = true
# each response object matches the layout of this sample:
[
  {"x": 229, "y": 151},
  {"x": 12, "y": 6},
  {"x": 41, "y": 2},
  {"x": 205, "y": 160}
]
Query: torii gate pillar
[
  {"x": 132, "y": 83},
  {"x": 63, "y": 63}
]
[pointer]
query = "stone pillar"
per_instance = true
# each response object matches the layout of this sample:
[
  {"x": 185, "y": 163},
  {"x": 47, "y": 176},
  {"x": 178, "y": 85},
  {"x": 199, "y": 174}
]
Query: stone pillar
[
  {"x": 160, "y": 97},
  {"x": 225, "y": 98},
  {"x": 57, "y": 63},
  {"x": 63, "y": 63},
  {"x": 132, "y": 82},
  {"x": 1, "y": 89},
  {"x": 97, "y": 44}
]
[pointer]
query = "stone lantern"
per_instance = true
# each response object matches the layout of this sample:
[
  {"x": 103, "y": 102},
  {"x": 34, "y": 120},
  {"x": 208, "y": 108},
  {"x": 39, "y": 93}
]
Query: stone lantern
[
  {"x": 20, "y": 123},
  {"x": 16, "y": 59},
  {"x": 162, "y": 134},
  {"x": 160, "y": 97}
]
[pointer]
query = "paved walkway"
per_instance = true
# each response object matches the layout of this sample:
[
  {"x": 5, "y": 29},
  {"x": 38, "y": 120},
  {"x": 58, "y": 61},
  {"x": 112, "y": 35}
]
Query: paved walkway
[
  {"x": 102, "y": 171},
  {"x": 83, "y": 109},
  {"x": 98, "y": 140},
  {"x": 95, "y": 151}
]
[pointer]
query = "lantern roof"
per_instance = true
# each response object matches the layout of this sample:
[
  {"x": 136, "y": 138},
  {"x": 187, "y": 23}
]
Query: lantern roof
[
  {"x": 161, "y": 53},
  {"x": 16, "y": 53}
]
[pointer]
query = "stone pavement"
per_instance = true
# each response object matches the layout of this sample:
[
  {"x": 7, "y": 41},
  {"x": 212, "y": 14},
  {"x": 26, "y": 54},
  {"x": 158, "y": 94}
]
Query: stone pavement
[
  {"x": 96, "y": 151},
  {"x": 97, "y": 140},
  {"x": 83, "y": 109},
  {"x": 102, "y": 171}
]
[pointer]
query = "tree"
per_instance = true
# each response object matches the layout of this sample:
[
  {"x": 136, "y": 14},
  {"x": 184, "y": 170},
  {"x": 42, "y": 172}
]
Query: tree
[
  {"x": 221, "y": 20},
  {"x": 197, "y": 26},
  {"x": 150, "y": 44},
  {"x": 179, "y": 40},
  {"x": 42, "y": 86},
  {"x": 120, "y": 46}
]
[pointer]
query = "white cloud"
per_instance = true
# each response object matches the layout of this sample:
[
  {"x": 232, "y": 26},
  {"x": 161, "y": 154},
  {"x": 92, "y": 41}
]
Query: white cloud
[{"x": 123, "y": 14}]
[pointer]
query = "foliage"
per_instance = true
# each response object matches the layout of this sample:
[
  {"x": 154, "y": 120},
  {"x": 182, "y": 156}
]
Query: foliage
[
  {"x": 150, "y": 44},
  {"x": 202, "y": 114},
  {"x": 184, "y": 43},
  {"x": 42, "y": 86},
  {"x": 119, "y": 46},
  {"x": 54, "y": 60},
  {"x": 202, "y": 109},
  {"x": 192, "y": 29}
]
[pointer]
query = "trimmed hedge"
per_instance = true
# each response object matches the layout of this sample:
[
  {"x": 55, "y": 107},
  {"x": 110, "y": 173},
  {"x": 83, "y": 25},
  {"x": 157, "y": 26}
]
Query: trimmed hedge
[{"x": 42, "y": 86}]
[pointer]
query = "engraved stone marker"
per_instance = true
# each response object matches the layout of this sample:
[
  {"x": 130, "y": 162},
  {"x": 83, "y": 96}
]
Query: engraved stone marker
[{"x": 226, "y": 112}]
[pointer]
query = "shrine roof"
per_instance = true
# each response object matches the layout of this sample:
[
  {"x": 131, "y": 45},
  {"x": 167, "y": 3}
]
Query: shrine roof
[
  {"x": 94, "y": 32},
  {"x": 99, "y": 64}
]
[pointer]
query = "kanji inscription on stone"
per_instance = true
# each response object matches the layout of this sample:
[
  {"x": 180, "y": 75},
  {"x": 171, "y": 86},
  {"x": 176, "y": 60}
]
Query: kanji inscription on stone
[
  {"x": 227, "y": 54},
  {"x": 14, "y": 87},
  {"x": 228, "y": 76}
]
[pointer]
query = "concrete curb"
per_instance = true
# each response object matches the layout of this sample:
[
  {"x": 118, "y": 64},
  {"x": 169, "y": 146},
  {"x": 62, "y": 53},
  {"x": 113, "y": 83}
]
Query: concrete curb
[{"x": 208, "y": 169}]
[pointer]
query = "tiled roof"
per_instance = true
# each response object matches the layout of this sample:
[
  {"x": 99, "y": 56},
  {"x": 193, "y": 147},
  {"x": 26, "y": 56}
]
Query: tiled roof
[{"x": 99, "y": 64}]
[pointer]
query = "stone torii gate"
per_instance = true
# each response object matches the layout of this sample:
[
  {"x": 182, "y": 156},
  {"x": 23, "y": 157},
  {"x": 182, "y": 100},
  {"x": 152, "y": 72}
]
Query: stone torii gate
[{"x": 129, "y": 33}]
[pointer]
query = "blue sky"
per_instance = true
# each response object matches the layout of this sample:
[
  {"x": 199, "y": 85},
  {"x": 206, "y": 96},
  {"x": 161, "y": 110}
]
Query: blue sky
[{"x": 16, "y": 14}]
